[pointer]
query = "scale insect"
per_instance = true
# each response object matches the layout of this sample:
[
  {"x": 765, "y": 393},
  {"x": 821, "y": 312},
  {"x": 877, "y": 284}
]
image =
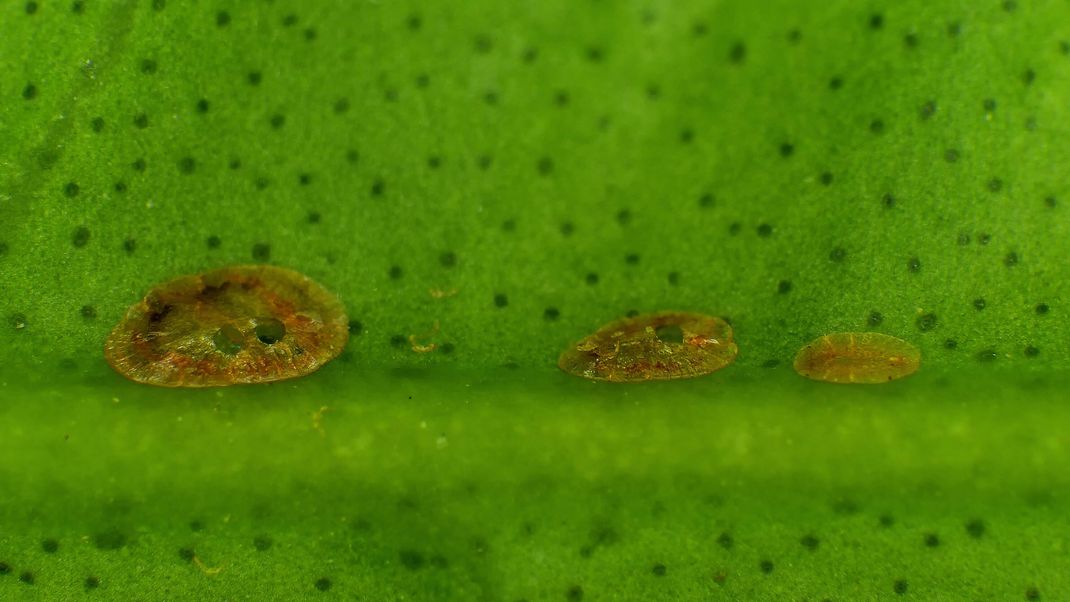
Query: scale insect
[
  {"x": 658, "y": 346},
  {"x": 235, "y": 325},
  {"x": 857, "y": 357}
]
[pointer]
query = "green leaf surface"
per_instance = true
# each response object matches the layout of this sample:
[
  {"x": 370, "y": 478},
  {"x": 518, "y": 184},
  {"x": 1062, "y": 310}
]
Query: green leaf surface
[{"x": 501, "y": 179}]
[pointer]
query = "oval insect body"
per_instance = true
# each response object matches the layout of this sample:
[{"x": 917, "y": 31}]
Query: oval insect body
[
  {"x": 242, "y": 324},
  {"x": 857, "y": 357},
  {"x": 658, "y": 346}
]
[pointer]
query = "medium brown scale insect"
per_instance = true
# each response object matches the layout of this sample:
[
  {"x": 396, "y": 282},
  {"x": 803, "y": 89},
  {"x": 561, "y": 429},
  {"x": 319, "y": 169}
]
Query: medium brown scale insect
[
  {"x": 857, "y": 357},
  {"x": 657, "y": 346},
  {"x": 243, "y": 324}
]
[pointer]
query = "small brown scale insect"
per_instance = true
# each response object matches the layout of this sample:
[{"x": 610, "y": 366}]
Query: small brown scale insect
[
  {"x": 242, "y": 324},
  {"x": 857, "y": 357},
  {"x": 659, "y": 346}
]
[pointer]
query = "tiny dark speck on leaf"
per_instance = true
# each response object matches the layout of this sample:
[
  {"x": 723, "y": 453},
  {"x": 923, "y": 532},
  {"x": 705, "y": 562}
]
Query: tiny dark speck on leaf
[
  {"x": 926, "y": 322},
  {"x": 927, "y": 109},
  {"x": 738, "y": 53}
]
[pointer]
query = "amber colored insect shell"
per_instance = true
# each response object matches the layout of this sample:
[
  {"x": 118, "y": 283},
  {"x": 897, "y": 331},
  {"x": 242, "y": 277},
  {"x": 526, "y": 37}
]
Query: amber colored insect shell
[
  {"x": 242, "y": 324},
  {"x": 857, "y": 357},
  {"x": 657, "y": 346}
]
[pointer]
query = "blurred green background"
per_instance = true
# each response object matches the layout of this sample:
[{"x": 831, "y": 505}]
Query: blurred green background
[{"x": 520, "y": 174}]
